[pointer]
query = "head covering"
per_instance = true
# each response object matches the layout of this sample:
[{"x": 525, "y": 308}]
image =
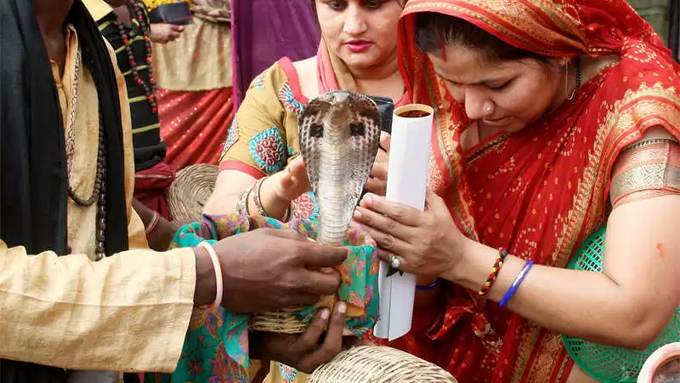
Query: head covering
[
  {"x": 542, "y": 191},
  {"x": 33, "y": 176}
]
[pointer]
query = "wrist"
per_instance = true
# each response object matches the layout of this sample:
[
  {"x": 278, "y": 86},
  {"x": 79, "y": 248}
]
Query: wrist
[
  {"x": 273, "y": 202},
  {"x": 206, "y": 283},
  {"x": 469, "y": 263}
]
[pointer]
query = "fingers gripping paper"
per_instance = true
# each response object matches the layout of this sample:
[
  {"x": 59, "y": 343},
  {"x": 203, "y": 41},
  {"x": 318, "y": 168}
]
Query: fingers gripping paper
[{"x": 407, "y": 184}]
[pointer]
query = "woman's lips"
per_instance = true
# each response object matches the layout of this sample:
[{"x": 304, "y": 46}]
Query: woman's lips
[
  {"x": 497, "y": 122},
  {"x": 358, "y": 46}
]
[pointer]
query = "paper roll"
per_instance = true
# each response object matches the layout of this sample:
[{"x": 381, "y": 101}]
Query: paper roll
[{"x": 407, "y": 184}]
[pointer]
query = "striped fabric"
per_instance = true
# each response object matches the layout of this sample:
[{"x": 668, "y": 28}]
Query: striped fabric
[{"x": 149, "y": 150}]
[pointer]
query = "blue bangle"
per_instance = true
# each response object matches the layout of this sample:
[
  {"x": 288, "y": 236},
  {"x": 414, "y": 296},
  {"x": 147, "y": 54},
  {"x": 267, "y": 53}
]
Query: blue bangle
[
  {"x": 515, "y": 285},
  {"x": 428, "y": 287}
]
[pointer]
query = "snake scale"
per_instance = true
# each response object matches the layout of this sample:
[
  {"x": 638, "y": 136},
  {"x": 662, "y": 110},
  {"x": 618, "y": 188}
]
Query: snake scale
[{"x": 339, "y": 140}]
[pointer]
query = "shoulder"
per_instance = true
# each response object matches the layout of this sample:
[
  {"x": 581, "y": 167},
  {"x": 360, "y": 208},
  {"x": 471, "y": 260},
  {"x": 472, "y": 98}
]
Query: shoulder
[
  {"x": 307, "y": 76},
  {"x": 99, "y": 9},
  {"x": 278, "y": 82}
]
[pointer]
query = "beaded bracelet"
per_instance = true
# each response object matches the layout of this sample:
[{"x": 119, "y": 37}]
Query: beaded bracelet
[
  {"x": 428, "y": 287},
  {"x": 502, "y": 254},
  {"x": 155, "y": 218},
  {"x": 515, "y": 285},
  {"x": 218, "y": 275}
]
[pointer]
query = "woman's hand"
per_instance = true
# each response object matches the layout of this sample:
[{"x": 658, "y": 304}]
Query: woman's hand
[
  {"x": 287, "y": 184},
  {"x": 377, "y": 180},
  {"x": 428, "y": 243},
  {"x": 304, "y": 352}
]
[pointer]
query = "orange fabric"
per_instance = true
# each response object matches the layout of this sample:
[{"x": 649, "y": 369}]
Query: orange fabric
[{"x": 542, "y": 191}]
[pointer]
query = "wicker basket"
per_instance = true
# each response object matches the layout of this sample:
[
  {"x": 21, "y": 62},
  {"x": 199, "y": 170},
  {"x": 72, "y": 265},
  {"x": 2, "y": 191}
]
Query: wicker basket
[
  {"x": 189, "y": 192},
  {"x": 379, "y": 365}
]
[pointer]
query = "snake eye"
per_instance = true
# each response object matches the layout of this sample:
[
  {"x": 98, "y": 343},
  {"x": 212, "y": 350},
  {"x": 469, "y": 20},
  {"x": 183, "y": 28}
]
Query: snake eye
[
  {"x": 357, "y": 128},
  {"x": 316, "y": 130}
]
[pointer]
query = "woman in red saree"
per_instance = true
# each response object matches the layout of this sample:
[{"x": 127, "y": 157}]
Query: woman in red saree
[{"x": 553, "y": 118}]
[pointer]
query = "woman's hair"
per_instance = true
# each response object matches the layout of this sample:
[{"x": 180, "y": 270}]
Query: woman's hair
[{"x": 434, "y": 31}]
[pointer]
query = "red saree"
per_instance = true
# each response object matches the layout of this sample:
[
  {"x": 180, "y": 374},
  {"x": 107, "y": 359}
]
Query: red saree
[{"x": 542, "y": 191}]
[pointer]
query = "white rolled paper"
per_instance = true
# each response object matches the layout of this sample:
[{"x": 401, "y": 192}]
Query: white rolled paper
[{"x": 407, "y": 184}]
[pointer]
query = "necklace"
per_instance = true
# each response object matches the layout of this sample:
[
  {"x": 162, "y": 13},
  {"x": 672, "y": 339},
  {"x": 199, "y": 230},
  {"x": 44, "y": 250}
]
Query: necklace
[
  {"x": 99, "y": 190},
  {"x": 150, "y": 89}
]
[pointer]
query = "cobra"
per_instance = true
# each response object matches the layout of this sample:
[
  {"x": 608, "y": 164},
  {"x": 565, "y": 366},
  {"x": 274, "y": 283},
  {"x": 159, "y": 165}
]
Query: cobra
[{"x": 339, "y": 140}]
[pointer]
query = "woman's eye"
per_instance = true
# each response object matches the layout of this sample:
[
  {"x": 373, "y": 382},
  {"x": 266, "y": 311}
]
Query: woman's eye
[
  {"x": 337, "y": 5},
  {"x": 499, "y": 87},
  {"x": 373, "y": 3}
]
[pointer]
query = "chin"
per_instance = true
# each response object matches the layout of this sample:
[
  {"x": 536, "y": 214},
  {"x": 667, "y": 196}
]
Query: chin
[{"x": 364, "y": 59}]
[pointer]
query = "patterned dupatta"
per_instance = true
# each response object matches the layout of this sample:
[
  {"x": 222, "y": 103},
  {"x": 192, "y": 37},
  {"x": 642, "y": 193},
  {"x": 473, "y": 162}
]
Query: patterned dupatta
[{"x": 542, "y": 191}]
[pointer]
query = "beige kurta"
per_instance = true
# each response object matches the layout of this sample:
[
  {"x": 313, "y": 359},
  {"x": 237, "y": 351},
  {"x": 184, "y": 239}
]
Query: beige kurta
[{"x": 129, "y": 312}]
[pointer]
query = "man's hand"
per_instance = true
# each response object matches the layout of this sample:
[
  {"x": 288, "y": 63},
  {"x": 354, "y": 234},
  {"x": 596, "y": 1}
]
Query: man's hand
[
  {"x": 165, "y": 33},
  {"x": 304, "y": 352},
  {"x": 269, "y": 269},
  {"x": 162, "y": 235}
]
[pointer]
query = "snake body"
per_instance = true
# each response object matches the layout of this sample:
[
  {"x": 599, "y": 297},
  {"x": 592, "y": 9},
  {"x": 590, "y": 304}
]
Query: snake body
[{"x": 339, "y": 140}]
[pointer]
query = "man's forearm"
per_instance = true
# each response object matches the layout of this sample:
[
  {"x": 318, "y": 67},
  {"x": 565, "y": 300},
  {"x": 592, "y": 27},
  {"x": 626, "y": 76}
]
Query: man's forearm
[{"x": 129, "y": 312}]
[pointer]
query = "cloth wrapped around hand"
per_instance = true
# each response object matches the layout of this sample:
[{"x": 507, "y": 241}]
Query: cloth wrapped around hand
[{"x": 216, "y": 345}]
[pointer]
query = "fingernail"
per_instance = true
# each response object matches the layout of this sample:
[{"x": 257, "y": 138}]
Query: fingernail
[
  {"x": 368, "y": 198},
  {"x": 325, "y": 314},
  {"x": 357, "y": 214},
  {"x": 342, "y": 307}
]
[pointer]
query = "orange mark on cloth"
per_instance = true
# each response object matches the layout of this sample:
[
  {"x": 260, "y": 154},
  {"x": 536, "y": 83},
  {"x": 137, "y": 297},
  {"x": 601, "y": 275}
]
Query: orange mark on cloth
[{"x": 659, "y": 247}]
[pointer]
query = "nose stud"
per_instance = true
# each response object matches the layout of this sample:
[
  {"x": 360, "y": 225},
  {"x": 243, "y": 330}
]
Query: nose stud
[{"x": 488, "y": 107}]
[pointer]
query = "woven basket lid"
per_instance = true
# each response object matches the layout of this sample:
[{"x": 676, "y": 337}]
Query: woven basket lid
[
  {"x": 190, "y": 190},
  {"x": 379, "y": 365}
]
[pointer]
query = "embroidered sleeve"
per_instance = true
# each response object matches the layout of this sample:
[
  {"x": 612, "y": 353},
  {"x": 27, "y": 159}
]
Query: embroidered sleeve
[
  {"x": 646, "y": 169},
  {"x": 256, "y": 142}
]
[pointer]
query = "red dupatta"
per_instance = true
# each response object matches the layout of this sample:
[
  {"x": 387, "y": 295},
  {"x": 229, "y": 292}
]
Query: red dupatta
[{"x": 542, "y": 191}]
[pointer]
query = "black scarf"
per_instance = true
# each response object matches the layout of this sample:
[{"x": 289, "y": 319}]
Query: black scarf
[{"x": 33, "y": 175}]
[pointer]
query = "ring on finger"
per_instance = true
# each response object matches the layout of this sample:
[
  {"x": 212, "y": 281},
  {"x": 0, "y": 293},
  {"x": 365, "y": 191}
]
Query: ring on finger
[{"x": 395, "y": 261}]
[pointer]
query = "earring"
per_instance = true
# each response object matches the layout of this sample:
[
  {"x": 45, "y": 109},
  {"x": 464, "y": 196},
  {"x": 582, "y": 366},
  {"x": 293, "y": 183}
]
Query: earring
[{"x": 577, "y": 78}]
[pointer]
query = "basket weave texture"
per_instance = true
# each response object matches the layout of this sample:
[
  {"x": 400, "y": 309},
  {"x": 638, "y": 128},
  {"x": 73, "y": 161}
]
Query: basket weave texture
[
  {"x": 379, "y": 365},
  {"x": 190, "y": 191}
]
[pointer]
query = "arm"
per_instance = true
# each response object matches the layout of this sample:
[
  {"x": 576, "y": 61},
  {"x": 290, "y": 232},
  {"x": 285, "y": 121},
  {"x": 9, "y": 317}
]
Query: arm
[
  {"x": 160, "y": 234},
  {"x": 129, "y": 312},
  {"x": 628, "y": 304},
  {"x": 257, "y": 147}
]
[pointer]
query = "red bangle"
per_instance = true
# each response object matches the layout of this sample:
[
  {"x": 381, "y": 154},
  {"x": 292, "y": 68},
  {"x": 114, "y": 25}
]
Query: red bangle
[
  {"x": 152, "y": 225},
  {"x": 502, "y": 253}
]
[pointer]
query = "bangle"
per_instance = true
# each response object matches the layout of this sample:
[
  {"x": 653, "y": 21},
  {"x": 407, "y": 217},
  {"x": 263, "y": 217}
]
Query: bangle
[
  {"x": 255, "y": 190},
  {"x": 155, "y": 218},
  {"x": 494, "y": 272},
  {"x": 515, "y": 285},
  {"x": 218, "y": 275},
  {"x": 242, "y": 203},
  {"x": 428, "y": 287}
]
